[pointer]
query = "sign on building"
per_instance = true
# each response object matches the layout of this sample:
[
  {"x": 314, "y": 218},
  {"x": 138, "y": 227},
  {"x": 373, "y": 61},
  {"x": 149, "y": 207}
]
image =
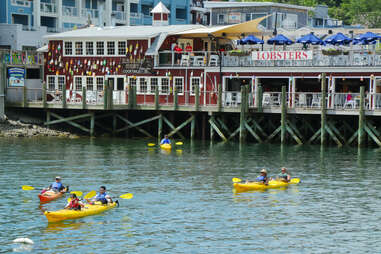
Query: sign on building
[
  {"x": 281, "y": 55},
  {"x": 16, "y": 77},
  {"x": 234, "y": 17}
]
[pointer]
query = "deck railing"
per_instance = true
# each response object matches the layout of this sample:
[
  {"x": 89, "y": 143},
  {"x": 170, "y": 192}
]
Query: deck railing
[
  {"x": 229, "y": 99},
  {"x": 70, "y": 11},
  {"x": 354, "y": 58},
  {"x": 48, "y": 8},
  {"x": 92, "y": 12}
]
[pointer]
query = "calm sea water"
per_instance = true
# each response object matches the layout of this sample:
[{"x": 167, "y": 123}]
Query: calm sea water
[{"x": 183, "y": 200}]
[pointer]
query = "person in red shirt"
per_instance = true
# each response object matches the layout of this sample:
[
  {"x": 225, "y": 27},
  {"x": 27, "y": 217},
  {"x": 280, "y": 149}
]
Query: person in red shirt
[
  {"x": 178, "y": 52},
  {"x": 188, "y": 48},
  {"x": 75, "y": 203}
]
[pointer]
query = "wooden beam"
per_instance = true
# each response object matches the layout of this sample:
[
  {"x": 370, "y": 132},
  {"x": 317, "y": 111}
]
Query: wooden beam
[
  {"x": 223, "y": 125},
  {"x": 193, "y": 127},
  {"x": 283, "y": 123},
  {"x": 323, "y": 109},
  {"x": 62, "y": 119},
  {"x": 160, "y": 128},
  {"x": 103, "y": 127},
  {"x": 71, "y": 122},
  {"x": 84, "y": 106},
  {"x": 361, "y": 132},
  {"x": 333, "y": 136},
  {"x": 294, "y": 129},
  {"x": 332, "y": 126},
  {"x": 296, "y": 138},
  {"x": 136, "y": 125},
  {"x": 259, "y": 128},
  {"x": 181, "y": 126},
  {"x": 354, "y": 136},
  {"x": 255, "y": 135},
  {"x": 277, "y": 130},
  {"x": 314, "y": 136},
  {"x": 172, "y": 127},
  {"x": 92, "y": 123},
  {"x": 371, "y": 134},
  {"x": 234, "y": 133},
  {"x": 214, "y": 126}
]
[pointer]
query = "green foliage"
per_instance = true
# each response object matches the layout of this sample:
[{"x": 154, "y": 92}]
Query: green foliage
[{"x": 363, "y": 12}]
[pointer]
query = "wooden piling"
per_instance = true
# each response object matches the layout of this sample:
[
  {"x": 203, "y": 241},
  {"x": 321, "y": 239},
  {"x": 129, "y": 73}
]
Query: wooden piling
[
  {"x": 211, "y": 129},
  {"x": 105, "y": 96},
  {"x": 361, "y": 132},
  {"x": 219, "y": 99},
  {"x": 283, "y": 122},
  {"x": 44, "y": 94},
  {"x": 64, "y": 96},
  {"x": 24, "y": 96},
  {"x": 110, "y": 100},
  {"x": 157, "y": 106},
  {"x": 84, "y": 106},
  {"x": 92, "y": 123},
  {"x": 259, "y": 97},
  {"x": 323, "y": 109},
  {"x": 203, "y": 134},
  {"x": 48, "y": 119},
  {"x": 242, "y": 128},
  {"x": 175, "y": 99},
  {"x": 193, "y": 127},
  {"x": 114, "y": 124},
  {"x": 197, "y": 97},
  {"x": 160, "y": 128}
]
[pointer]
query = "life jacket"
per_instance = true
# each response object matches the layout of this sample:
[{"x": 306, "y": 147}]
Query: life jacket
[
  {"x": 57, "y": 186},
  {"x": 165, "y": 141},
  {"x": 262, "y": 179},
  {"x": 101, "y": 197},
  {"x": 74, "y": 203}
]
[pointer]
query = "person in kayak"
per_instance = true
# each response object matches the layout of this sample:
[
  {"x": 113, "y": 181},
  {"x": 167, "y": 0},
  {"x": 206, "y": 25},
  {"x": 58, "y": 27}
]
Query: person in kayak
[
  {"x": 101, "y": 197},
  {"x": 165, "y": 140},
  {"x": 75, "y": 203},
  {"x": 284, "y": 175},
  {"x": 262, "y": 178},
  {"x": 57, "y": 186}
]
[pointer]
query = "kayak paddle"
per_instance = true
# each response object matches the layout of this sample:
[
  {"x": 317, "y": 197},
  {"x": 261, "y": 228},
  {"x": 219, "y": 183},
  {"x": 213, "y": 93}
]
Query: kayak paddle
[
  {"x": 88, "y": 196},
  {"x": 236, "y": 180},
  {"x": 91, "y": 194},
  {"x": 27, "y": 187},
  {"x": 126, "y": 196},
  {"x": 177, "y": 143},
  {"x": 151, "y": 144}
]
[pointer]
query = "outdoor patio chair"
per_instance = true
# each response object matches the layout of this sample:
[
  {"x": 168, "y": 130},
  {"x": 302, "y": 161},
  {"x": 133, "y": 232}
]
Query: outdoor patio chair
[
  {"x": 302, "y": 101},
  {"x": 266, "y": 100},
  {"x": 316, "y": 101},
  {"x": 185, "y": 60},
  {"x": 213, "y": 60}
]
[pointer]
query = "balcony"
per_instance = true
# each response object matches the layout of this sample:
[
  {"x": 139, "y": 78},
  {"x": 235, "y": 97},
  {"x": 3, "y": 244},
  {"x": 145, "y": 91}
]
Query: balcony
[
  {"x": 69, "y": 11},
  {"x": 119, "y": 15},
  {"x": 48, "y": 8},
  {"x": 245, "y": 59},
  {"x": 94, "y": 14},
  {"x": 135, "y": 18},
  {"x": 21, "y": 3}
]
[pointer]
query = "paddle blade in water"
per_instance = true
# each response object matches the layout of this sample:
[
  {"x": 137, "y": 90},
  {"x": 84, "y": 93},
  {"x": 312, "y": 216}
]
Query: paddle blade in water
[
  {"x": 179, "y": 143},
  {"x": 91, "y": 194},
  {"x": 77, "y": 193},
  {"x": 151, "y": 144},
  {"x": 127, "y": 196},
  {"x": 26, "y": 187},
  {"x": 236, "y": 180},
  {"x": 295, "y": 180}
]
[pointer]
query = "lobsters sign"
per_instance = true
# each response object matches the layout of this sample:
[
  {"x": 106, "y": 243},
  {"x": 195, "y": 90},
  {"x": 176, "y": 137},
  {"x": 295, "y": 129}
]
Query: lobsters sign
[{"x": 281, "y": 55}]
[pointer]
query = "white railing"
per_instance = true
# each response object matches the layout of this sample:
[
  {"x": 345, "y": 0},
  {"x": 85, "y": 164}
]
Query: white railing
[
  {"x": 69, "y": 11},
  {"x": 92, "y": 12},
  {"x": 189, "y": 59},
  {"x": 23, "y": 3},
  {"x": 119, "y": 15},
  {"x": 48, "y": 8}
]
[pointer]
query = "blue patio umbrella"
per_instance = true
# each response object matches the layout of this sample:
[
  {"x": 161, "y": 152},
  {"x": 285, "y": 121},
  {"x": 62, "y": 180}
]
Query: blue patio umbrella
[
  {"x": 366, "y": 38},
  {"x": 364, "y": 42},
  {"x": 338, "y": 38},
  {"x": 251, "y": 40},
  {"x": 280, "y": 39},
  {"x": 310, "y": 39}
]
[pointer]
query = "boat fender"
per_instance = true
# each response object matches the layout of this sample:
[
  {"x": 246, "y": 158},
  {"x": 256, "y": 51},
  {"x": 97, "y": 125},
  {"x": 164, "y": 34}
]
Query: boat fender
[{"x": 23, "y": 240}]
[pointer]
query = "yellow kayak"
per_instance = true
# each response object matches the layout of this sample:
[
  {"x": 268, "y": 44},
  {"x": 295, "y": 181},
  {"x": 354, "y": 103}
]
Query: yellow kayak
[
  {"x": 66, "y": 214},
  {"x": 273, "y": 184},
  {"x": 166, "y": 146}
]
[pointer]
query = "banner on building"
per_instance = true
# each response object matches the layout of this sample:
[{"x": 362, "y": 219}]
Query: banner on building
[
  {"x": 16, "y": 77},
  {"x": 281, "y": 55},
  {"x": 234, "y": 17}
]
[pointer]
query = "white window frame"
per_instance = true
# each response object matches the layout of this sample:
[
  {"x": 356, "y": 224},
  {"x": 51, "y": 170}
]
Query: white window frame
[
  {"x": 96, "y": 48},
  {"x": 88, "y": 83},
  {"x": 139, "y": 85},
  {"x": 161, "y": 86},
  {"x": 132, "y": 80},
  {"x": 65, "y": 48},
  {"x": 122, "y": 48},
  {"x": 98, "y": 85},
  {"x": 86, "y": 48},
  {"x": 191, "y": 88},
  {"x": 55, "y": 82},
  {"x": 182, "y": 85},
  {"x": 75, "y": 48},
  {"x": 152, "y": 91},
  {"x": 115, "y": 48},
  {"x": 75, "y": 84}
]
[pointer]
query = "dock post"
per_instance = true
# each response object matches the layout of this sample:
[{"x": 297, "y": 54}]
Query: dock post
[
  {"x": 283, "y": 116},
  {"x": 156, "y": 98},
  {"x": 323, "y": 109},
  {"x": 110, "y": 99},
  {"x": 48, "y": 119},
  {"x": 24, "y": 96},
  {"x": 361, "y": 133},
  {"x": 130, "y": 96},
  {"x": 259, "y": 98},
  {"x": 160, "y": 128},
  {"x": 105, "y": 96},
  {"x": 114, "y": 124},
  {"x": 203, "y": 126},
  {"x": 3, "y": 81},
  {"x": 219, "y": 99},
  {"x": 175, "y": 99},
  {"x": 211, "y": 129},
  {"x": 44, "y": 94},
  {"x": 92, "y": 123},
  {"x": 84, "y": 97},
  {"x": 196, "y": 97},
  {"x": 64, "y": 96},
  {"x": 242, "y": 128},
  {"x": 193, "y": 127}
]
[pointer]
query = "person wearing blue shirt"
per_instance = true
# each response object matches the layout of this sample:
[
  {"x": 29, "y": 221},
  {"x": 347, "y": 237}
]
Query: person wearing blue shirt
[
  {"x": 263, "y": 177},
  {"x": 57, "y": 186},
  {"x": 165, "y": 140},
  {"x": 102, "y": 197}
]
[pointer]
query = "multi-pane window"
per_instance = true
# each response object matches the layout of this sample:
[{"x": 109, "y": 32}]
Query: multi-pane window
[
  {"x": 122, "y": 48},
  {"x": 100, "y": 48},
  {"x": 89, "y": 83},
  {"x": 61, "y": 82},
  {"x": 154, "y": 83},
  {"x": 78, "y": 83},
  {"x": 164, "y": 88},
  {"x": 68, "y": 48},
  {"x": 195, "y": 82},
  {"x": 79, "y": 48},
  {"x": 89, "y": 48},
  {"x": 142, "y": 85},
  {"x": 132, "y": 82},
  {"x": 100, "y": 83},
  {"x": 51, "y": 83},
  {"x": 179, "y": 85},
  {"x": 111, "y": 48}
]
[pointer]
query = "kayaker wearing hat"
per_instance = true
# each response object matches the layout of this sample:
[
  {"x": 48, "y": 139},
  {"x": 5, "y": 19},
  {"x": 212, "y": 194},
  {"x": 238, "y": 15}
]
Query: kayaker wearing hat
[
  {"x": 57, "y": 186},
  {"x": 284, "y": 175},
  {"x": 165, "y": 140},
  {"x": 263, "y": 177}
]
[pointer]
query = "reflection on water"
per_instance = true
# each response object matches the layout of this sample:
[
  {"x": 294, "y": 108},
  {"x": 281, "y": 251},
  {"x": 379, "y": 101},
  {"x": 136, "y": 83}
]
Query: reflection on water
[{"x": 183, "y": 201}]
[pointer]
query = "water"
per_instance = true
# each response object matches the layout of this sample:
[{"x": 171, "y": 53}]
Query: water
[{"x": 183, "y": 201}]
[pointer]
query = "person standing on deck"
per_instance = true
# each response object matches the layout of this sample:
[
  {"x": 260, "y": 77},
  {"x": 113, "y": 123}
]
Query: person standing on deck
[{"x": 165, "y": 140}]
